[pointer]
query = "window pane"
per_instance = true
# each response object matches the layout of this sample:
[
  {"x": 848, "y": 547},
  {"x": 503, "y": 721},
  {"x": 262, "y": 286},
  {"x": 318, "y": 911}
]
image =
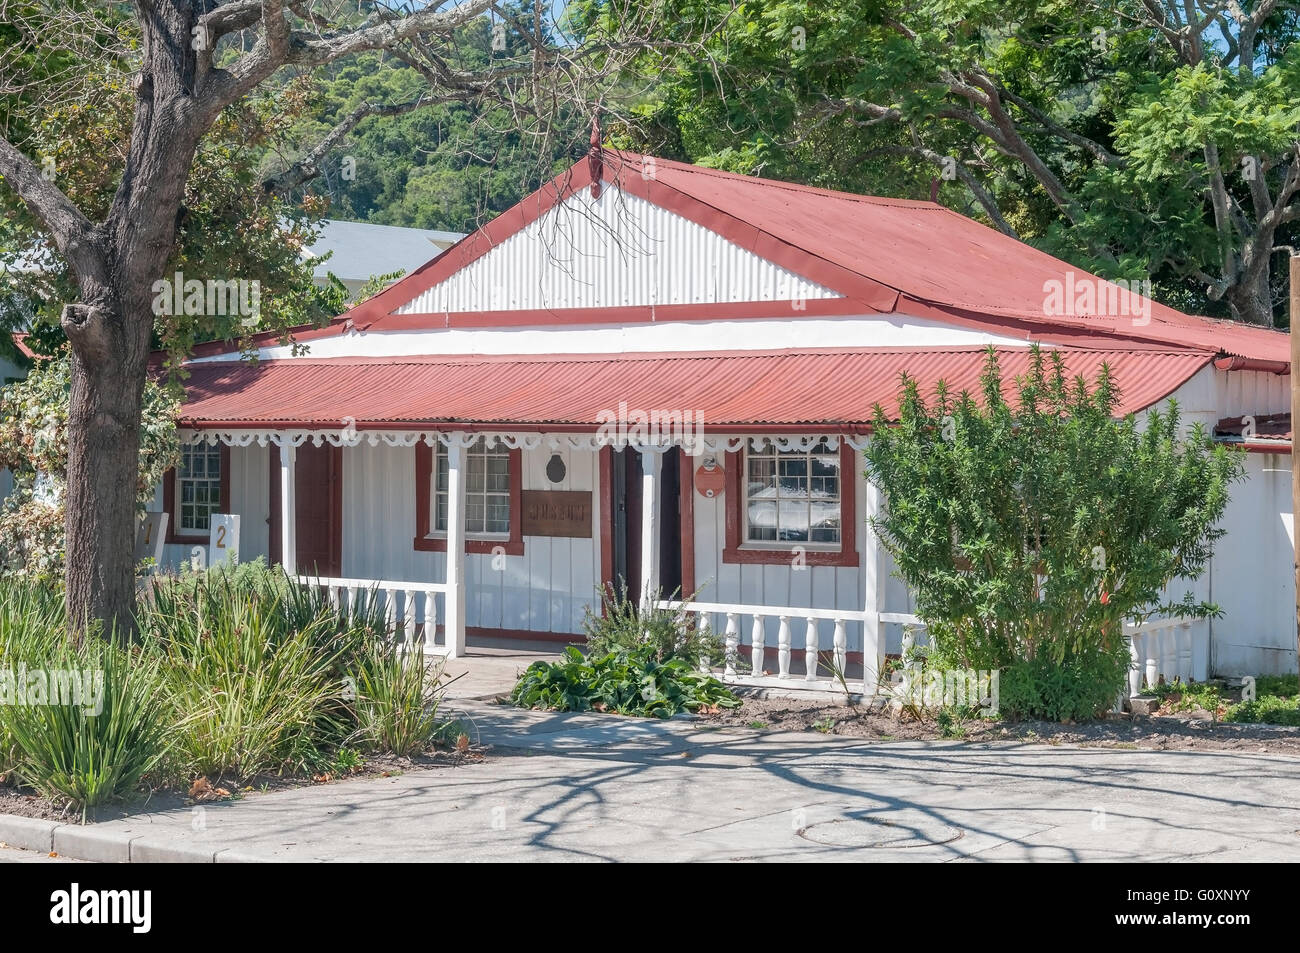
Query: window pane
[
  {"x": 498, "y": 482},
  {"x": 762, "y": 520},
  {"x": 825, "y": 534},
  {"x": 475, "y": 513},
  {"x": 792, "y": 518},
  {"x": 825, "y": 522},
  {"x": 498, "y": 518},
  {"x": 762, "y": 473},
  {"x": 825, "y": 488},
  {"x": 794, "y": 477}
]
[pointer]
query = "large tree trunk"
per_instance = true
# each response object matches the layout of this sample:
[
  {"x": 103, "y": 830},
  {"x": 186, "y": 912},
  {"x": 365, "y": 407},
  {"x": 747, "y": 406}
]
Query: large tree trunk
[
  {"x": 110, "y": 331},
  {"x": 103, "y": 467},
  {"x": 1251, "y": 300}
]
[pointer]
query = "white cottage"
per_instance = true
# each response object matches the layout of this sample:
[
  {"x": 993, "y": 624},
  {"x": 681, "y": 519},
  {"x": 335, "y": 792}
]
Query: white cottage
[{"x": 660, "y": 373}]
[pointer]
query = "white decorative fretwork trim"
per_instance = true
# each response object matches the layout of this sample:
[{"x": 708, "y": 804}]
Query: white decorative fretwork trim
[{"x": 350, "y": 436}]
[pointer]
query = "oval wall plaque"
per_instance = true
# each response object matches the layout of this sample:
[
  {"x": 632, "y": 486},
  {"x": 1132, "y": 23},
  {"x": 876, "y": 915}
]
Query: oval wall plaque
[
  {"x": 710, "y": 481},
  {"x": 555, "y": 469}
]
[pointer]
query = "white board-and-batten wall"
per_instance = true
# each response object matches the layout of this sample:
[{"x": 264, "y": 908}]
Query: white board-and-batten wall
[
  {"x": 548, "y": 588},
  {"x": 544, "y": 590}
]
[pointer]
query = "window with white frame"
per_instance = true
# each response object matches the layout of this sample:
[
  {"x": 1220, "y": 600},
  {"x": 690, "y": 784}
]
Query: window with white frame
[
  {"x": 487, "y": 490},
  {"x": 793, "y": 496},
  {"x": 198, "y": 487}
]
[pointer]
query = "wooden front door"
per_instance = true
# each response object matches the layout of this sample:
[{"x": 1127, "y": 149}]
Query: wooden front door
[
  {"x": 318, "y": 510},
  {"x": 625, "y": 488}
]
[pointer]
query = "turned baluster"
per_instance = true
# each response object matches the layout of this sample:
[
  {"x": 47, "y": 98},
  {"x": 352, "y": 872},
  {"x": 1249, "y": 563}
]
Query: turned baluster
[
  {"x": 810, "y": 649},
  {"x": 732, "y": 639},
  {"x": 756, "y": 648},
  {"x": 783, "y": 648}
]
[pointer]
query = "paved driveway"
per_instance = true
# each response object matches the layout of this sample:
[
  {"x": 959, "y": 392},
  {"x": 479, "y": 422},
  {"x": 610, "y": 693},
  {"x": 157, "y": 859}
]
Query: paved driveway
[{"x": 590, "y": 788}]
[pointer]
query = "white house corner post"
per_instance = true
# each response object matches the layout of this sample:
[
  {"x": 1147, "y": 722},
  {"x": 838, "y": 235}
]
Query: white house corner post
[
  {"x": 651, "y": 466},
  {"x": 873, "y": 591},
  {"x": 455, "y": 609},
  {"x": 288, "y": 509}
]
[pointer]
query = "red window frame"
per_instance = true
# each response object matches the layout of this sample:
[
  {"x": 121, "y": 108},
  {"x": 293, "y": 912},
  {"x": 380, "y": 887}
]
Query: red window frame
[
  {"x": 424, "y": 542},
  {"x": 738, "y": 551},
  {"x": 171, "y": 504}
]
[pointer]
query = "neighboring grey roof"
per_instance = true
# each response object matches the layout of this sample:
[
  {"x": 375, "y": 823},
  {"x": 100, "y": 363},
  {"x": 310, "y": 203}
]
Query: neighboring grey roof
[{"x": 362, "y": 250}]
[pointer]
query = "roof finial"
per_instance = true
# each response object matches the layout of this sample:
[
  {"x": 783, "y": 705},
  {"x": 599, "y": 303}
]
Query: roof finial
[{"x": 595, "y": 155}]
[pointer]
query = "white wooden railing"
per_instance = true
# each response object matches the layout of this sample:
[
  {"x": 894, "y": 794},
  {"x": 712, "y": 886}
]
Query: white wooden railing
[
  {"x": 1158, "y": 649},
  {"x": 410, "y": 608},
  {"x": 789, "y": 618}
]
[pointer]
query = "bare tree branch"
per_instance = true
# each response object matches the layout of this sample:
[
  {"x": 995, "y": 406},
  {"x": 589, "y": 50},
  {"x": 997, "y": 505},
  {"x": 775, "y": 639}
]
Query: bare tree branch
[
  {"x": 307, "y": 167},
  {"x": 74, "y": 236}
]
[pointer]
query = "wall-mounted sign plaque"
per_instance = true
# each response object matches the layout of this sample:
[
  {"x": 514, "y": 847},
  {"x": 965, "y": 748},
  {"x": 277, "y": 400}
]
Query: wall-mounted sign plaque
[{"x": 557, "y": 513}]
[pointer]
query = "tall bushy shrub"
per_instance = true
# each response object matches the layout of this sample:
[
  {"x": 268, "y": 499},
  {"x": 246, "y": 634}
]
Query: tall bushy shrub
[
  {"x": 98, "y": 748},
  {"x": 84, "y": 757},
  {"x": 1029, "y": 529},
  {"x": 268, "y": 676}
]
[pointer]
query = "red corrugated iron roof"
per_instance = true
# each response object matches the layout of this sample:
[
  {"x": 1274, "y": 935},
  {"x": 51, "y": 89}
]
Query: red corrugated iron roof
[
  {"x": 732, "y": 391},
  {"x": 891, "y": 255},
  {"x": 933, "y": 255}
]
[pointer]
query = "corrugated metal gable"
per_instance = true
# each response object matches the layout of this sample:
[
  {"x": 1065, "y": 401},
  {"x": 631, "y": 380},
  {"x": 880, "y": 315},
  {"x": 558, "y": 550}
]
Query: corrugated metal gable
[{"x": 616, "y": 251}]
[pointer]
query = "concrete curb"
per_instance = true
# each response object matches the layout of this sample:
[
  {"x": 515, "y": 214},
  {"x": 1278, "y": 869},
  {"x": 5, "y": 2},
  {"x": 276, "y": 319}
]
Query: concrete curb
[
  {"x": 103, "y": 846},
  {"x": 29, "y": 833}
]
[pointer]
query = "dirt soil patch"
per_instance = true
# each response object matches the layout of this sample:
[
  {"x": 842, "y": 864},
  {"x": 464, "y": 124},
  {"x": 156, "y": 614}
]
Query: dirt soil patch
[{"x": 1180, "y": 731}]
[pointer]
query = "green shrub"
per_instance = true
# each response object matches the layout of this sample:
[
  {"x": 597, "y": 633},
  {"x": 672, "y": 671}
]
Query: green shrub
[
  {"x": 1277, "y": 702},
  {"x": 249, "y": 693},
  {"x": 1266, "y": 710},
  {"x": 1076, "y": 688},
  {"x": 238, "y": 672},
  {"x": 623, "y": 626},
  {"x": 397, "y": 702},
  {"x": 1030, "y": 528},
  {"x": 31, "y": 614},
  {"x": 628, "y": 683},
  {"x": 272, "y": 676},
  {"x": 1181, "y": 696},
  {"x": 86, "y": 758},
  {"x": 32, "y": 627}
]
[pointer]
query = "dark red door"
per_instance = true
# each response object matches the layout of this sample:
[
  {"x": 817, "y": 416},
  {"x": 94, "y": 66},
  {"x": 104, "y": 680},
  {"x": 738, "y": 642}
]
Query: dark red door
[
  {"x": 632, "y": 526},
  {"x": 318, "y": 492}
]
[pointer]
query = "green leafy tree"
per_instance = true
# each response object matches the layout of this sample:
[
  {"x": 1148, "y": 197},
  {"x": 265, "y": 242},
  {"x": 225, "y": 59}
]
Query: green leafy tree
[
  {"x": 1030, "y": 529},
  {"x": 229, "y": 224},
  {"x": 186, "y": 67},
  {"x": 445, "y": 165},
  {"x": 1139, "y": 140}
]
